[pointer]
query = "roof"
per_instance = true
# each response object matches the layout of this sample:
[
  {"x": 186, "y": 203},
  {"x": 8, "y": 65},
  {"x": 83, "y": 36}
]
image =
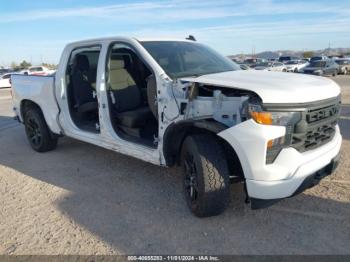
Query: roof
[{"x": 121, "y": 38}]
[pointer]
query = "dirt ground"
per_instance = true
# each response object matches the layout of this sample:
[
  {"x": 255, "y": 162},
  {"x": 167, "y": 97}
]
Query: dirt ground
[{"x": 81, "y": 199}]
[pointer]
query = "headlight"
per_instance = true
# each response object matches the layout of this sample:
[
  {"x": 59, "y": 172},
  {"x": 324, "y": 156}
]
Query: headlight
[
  {"x": 272, "y": 118},
  {"x": 286, "y": 119}
]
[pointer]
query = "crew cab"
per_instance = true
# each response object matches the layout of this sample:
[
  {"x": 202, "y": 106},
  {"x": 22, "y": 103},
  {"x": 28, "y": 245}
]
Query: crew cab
[{"x": 172, "y": 102}]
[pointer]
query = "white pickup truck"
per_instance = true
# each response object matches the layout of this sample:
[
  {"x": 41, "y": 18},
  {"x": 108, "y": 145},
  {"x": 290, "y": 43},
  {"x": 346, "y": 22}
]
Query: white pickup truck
[{"x": 172, "y": 102}]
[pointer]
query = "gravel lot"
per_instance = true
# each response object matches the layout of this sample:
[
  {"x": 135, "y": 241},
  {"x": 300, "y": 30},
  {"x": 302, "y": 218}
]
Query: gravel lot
[{"x": 81, "y": 199}]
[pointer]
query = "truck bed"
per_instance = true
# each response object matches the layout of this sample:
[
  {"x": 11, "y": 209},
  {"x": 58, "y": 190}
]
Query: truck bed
[{"x": 39, "y": 90}]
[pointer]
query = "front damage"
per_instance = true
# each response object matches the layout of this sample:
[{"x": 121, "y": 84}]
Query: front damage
[{"x": 189, "y": 101}]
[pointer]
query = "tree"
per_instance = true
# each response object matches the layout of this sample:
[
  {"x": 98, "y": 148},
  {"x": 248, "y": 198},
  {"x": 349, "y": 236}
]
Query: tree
[
  {"x": 25, "y": 64},
  {"x": 14, "y": 65},
  {"x": 308, "y": 54}
]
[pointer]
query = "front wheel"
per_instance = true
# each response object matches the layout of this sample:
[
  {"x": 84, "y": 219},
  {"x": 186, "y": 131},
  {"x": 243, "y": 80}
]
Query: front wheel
[
  {"x": 38, "y": 133},
  {"x": 206, "y": 175},
  {"x": 335, "y": 73}
]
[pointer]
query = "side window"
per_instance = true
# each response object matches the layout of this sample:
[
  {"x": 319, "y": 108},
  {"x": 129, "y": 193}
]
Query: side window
[
  {"x": 6, "y": 77},
  {"x": 125, "y": 68},
  {"x": 90, "y": 55}
]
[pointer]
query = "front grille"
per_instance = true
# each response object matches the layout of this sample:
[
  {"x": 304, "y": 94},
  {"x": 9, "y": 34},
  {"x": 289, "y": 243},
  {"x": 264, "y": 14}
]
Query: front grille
[{"x": 317, "y": 125}]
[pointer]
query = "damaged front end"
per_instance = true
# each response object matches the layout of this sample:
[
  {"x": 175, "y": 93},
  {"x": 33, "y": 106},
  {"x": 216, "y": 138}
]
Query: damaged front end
[{"x": 224, "y": 105}]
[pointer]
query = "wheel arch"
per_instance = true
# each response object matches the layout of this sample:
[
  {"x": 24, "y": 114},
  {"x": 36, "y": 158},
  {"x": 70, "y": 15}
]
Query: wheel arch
[
  {"x": 176, "y": 133},
  {"x": 27, "y": 104}
]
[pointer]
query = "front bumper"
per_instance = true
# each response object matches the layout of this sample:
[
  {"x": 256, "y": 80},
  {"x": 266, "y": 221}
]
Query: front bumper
[
  {"x": 308, "y": 182},
  {"x": 286, "y": 174}
]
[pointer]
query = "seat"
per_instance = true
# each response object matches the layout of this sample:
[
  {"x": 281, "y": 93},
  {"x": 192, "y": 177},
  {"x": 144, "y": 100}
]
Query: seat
[
  {"x": 84, "y": 100},
  {"x": 135, "y": 118},
  {"x": 128, "y": 104},
  {"x": 119, "y": 76}
]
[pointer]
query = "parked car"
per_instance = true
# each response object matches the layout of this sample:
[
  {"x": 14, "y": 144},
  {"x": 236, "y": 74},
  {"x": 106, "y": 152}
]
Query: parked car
[
  {"x": 5, "y": 80},
  {"x": 271, "y": 66},
  {"x": 284, "y": 59},
  {"x": 317, "y": 58},
  {"x": 38, "y": 71},
  {"x": 252, "y": 62},
  {"x": 344, "y": 66},
  {"x": 168, "y": 102},
  {"x": 321, "y": 68},
  {"x": 295, "y": 65}
]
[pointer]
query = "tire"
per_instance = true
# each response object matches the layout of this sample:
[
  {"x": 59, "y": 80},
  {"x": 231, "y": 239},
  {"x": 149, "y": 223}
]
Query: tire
[
  {"x": 206, "y": 175},
  {"x": 295, "y": 70},
  {"x": 38, "y": 133},
  {"x": 335, "y": 73}
]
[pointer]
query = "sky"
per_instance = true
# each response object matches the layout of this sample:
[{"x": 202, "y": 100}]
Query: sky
[{"x": 38, "y": 30}]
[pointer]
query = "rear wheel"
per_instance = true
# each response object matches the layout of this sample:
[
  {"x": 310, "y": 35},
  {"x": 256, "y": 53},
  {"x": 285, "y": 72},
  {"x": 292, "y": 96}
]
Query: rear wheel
[
  {"x": 39, "y": 136},
  {"x": 335, "y": 73},
  {"x": 206, "y": 175}
]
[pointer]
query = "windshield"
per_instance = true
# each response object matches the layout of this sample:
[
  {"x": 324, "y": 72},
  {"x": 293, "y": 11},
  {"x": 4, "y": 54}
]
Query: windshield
[
  {"x": 180, "y": 59},
  {"x": 315, "y": 58},
  {"x": 318, "y": 64}
]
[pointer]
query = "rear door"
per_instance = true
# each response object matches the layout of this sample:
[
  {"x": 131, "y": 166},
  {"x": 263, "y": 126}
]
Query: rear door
[{"x": 67, "y": 98}]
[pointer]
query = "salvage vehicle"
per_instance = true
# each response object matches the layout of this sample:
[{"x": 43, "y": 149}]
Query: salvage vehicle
[
  {"x": 284, "y": 59},
  {"x": 296, "y": 65},
  {"x": 5, "y": 81},
  {"x": 172, "y": 102},
  {"x": 344, "y": 65},
  {"x": 271, "y": 66},
  {"x": 38, "y": 71},
  {"x": 321, "y": 68}
]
